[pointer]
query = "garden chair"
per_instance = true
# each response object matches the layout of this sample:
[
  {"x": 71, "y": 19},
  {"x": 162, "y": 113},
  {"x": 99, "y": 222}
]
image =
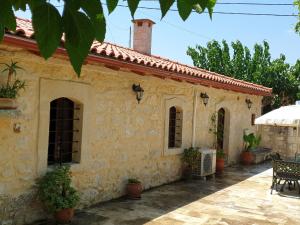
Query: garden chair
[{"x": 286, "y": 171}]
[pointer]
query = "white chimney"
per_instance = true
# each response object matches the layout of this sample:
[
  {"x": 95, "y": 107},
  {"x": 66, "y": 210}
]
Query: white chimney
[{"x": 142, "y": 35}]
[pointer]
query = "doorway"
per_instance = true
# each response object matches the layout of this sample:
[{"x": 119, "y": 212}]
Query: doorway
[{"x": 223, "y": 131}]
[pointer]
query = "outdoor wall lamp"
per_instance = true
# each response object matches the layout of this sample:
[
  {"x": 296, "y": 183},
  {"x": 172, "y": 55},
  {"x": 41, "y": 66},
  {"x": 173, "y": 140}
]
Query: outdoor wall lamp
[
  {"x": 249, "y": 103},
  {"x": 205, "y": 98},
  {"x": 139, "y": 91}
]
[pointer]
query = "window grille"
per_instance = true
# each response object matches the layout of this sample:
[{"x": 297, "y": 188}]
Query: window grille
[
  {"x": 175, "y": 127},
  {"x": 64, "y": 131}
]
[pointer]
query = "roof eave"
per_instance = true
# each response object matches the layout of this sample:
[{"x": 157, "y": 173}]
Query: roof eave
[{"x": 31, "y": 45}]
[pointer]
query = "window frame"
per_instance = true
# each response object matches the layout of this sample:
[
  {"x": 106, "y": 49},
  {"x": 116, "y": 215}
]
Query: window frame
[
  {"x": 177, "y": 101},
  {"x": 50, "y": 90}
]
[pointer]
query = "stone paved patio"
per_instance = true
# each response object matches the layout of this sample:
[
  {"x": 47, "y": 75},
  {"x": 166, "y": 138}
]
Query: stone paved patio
[{"x": 241, "y": 196}]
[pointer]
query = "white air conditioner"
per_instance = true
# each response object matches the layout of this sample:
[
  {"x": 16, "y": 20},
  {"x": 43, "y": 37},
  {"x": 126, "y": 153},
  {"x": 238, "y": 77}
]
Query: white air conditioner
[{"x": 206, "y": 165}]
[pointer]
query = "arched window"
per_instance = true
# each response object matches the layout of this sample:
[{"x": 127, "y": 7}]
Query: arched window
[
  {"x": 64, "y": 131},
  {"x": 175, "y": 127}
]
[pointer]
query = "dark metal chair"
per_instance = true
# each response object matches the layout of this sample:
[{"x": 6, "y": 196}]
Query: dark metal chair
[{"x": 286, "y": 171}]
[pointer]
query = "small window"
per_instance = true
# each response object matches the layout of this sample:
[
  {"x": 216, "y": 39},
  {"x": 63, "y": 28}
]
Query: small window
[
  {"x": 253, "y": 119},
  {"x": 64, "y": 131},
  {"x": 175, "y": 127}
]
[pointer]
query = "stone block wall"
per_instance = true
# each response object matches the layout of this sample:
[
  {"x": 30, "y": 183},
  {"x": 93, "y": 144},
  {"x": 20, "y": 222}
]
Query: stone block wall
[
  {"x": 284, "y": 140},
  {"x": 121, "y": 139}
]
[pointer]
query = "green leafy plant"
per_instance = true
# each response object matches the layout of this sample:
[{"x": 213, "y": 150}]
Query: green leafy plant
[
  {"x": 297, "y": 27},
  {"x": 251, "y": 141},
  {"x": 256, "y": 66},
  {"x": 220, "y": 154},
  {"x": 191, "y": 156},
  {"x": 55, "y": 190},
  {"x": 12, "y": 87},
  {"x": 133, "y": 181},
  {"x": 82, "y": 21}
]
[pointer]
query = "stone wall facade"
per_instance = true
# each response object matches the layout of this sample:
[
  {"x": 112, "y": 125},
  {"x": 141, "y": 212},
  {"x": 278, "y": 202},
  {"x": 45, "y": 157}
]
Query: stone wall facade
[
  {"x": 284, "y": 140},
  {"x": 121, "y": 139}
]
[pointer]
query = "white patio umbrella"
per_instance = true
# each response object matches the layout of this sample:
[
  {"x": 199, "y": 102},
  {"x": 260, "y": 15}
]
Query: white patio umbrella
[{"x": 284, "y": 116}]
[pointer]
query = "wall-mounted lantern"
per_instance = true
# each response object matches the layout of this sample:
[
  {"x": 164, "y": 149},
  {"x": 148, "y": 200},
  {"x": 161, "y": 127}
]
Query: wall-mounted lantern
[
  {"x": 205, "y": 98},
  {"x": 249, "y": 103},
  {"x": 139, "y": 91}
]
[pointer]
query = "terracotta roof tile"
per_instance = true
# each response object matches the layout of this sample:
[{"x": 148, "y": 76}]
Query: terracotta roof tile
[{"x": 24, "y": 29}]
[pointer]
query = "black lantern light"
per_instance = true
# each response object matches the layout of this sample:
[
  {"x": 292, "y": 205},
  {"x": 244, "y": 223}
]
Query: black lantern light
[
  {"x": 139, "y": 91},
  {"x": 205, "y": 98},
  {"x": 249, "y": 103}
]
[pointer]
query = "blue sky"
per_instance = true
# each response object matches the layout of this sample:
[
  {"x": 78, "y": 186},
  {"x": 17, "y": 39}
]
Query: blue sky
[{"x": 172, "y": 36}]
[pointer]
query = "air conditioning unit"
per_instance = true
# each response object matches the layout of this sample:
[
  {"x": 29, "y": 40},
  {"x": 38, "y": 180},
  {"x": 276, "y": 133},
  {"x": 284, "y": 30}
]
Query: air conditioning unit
[{"x": 206, "y": 164}]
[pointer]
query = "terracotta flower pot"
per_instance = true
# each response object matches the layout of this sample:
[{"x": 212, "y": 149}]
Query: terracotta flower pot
[
  {"x": 186, "y": 172},
  {"x": 64, "y": 216},
  {"x": 134, "y": 190},
  {"x": 8, "y": 103},
  {"x": 247, "y": 158},
  {"x": 220, "y": 165}
]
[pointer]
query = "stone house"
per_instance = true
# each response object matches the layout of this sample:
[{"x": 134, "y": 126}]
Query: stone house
[{"x": 96, "y": 124}]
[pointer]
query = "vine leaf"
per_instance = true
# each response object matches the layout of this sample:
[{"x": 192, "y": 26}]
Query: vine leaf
[
  {"x": 47, "y": 24},
  {"x": 94, "y": 10},
  {"x": 184, "y": 9},
  {"x": 80, "y": 34},
  {"x": 111, "y": 5},
  {"x": 133, "y": 4},
  {"x": 7, "y": 17},
  {"x": 165, "y": 5}
]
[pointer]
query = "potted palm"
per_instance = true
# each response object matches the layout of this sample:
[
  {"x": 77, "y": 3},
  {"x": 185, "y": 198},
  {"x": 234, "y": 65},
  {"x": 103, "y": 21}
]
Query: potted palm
[
  {"x": 57, "y": 194},
  {"x": 10, "y": 90},
  {"x": 250, "y": 142},
  {"x": 134, "y": 189},
  {"x": 220, "y": 161}
]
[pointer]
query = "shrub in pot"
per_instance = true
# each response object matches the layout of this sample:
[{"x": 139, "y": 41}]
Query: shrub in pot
[
  {"x": 134, "y": 189},
  {"x": 220, "y": 161},
  {"x": 190, "y": 160},
  {"x": 57, "y": 194},
  {"x": 10, "y": 90},
  {"x": 250, "y": 142}
]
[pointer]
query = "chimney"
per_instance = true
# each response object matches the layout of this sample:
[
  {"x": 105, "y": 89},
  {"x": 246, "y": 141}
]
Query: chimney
[{"x": 142, "y": 35}]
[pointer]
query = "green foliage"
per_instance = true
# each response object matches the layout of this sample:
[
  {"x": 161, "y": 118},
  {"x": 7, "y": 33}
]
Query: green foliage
[
  {"x": 220, "y": 154},
  {"x": 257, "y": 67},
  {"x": 12, "y": 88},
  {"x": 133, "y": 181},
  {"x": 297, "y": 27},
  {"x": 55, "y": 190},
  {"x": 82, "y": 21},
  {"x": 191, "y": 156},
  {"x": 251, "y": 141}
]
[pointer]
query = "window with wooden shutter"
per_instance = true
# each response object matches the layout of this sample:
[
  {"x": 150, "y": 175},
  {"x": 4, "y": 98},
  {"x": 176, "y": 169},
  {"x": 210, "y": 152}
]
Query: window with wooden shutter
[
  {"x": 175, "y": 127},
  {"x": 64, "y": 131}
]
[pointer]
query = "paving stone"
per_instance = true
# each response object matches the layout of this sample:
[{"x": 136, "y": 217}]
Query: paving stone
[{"x": 241, "y": 196}]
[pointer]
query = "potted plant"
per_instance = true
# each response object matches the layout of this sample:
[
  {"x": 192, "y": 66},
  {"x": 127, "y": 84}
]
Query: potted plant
[
  {"x": 250, "y": 142},
  {"x": 190, "y": 160},
  {"x": 220, "y": 161},
  {"x": 10, "y": 90},
  {"x": 134, "y": 189},
  {"x": 57, "y": 194}
]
